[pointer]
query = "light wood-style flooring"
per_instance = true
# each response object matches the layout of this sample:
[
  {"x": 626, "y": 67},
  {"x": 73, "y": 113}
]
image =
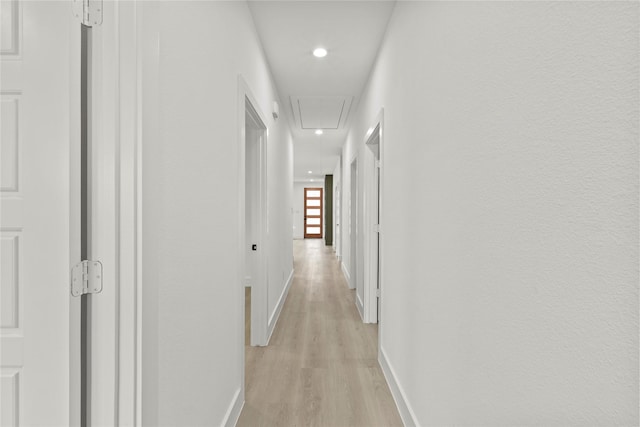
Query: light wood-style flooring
[{"x": 320, "y": 368}]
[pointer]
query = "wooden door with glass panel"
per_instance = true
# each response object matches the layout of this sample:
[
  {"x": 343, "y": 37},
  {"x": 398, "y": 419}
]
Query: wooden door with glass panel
[{"x": 313, "y": 213}]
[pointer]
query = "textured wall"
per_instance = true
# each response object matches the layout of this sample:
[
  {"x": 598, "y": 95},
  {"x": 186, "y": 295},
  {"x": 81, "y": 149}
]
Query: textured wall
[{"x": 515, "y": 298}]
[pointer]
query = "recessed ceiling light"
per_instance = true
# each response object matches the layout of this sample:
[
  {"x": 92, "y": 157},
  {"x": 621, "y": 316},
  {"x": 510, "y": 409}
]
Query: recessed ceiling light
[
  {"x": 309, "y": 172},
  {"x": 319, "y": 132},
  {"x": 320, "y": 52}
]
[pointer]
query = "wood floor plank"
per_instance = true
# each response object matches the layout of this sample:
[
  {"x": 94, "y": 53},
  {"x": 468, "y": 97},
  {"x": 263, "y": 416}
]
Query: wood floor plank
[{"x": 320, "y": 368}]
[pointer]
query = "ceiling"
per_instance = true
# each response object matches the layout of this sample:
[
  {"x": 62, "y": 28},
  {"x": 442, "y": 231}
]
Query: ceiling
[{"x": 320, "y": 93}]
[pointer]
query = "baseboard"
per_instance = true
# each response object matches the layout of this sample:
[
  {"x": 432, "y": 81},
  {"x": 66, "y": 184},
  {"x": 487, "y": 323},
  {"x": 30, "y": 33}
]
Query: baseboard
[
  {"x": 235, "y": 408},
  {"x": 360, "y": 306},
  {"x": 271, "y": 326},
  {"x": 346, "y": 275},
  {"x": 406, "y": 413}
]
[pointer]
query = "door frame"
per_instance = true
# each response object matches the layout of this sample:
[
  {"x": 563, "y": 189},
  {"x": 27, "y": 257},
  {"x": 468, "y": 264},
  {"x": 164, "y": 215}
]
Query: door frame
[
  {"x": 119, "y": 57},
  {"x": 321, "y": 216},
  {"x": 337, "y": 204},
  {"x": 130, "y": 54},
  {"x": 353, "y": 224},
  {"x": 116, "y": 200},
  {"x": 115, "y": 327},
  {"x": 373, "y": 237},
  {"x": 259, "y": 289}
]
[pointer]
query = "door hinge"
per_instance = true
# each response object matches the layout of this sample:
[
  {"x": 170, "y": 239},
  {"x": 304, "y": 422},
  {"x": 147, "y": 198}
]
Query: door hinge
[
  {"x": 86, "y": 278},
  {"x": 376, "y": 228},
  {"x": 89, "y": 12},
  {"x": 377, "y": 293}
]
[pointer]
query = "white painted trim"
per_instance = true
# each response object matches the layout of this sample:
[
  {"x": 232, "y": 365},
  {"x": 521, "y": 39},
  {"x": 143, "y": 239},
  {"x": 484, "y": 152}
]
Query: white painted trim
[
  {"x": 404, "y": 408},
  {"x": 359, "y": 306},
  {"x": 116, "y": 314},
  {"x": 147, "y": 84},
  {"x": 74, "y": 219},
  {"x": 244, "y": 93},
  {"x": 380, "y": 120},
  {"x": 345, "y": 271},
  {"x": 273, "y": 320},
  {"x": 259, "y": 296},
  {"x": 370, "y": 206},
  {"x": 129, "y": 205},
  {"x": 234, "y": 410},
  {"x": 354, "y": 221},
  {"x": 241, "y": 230}
]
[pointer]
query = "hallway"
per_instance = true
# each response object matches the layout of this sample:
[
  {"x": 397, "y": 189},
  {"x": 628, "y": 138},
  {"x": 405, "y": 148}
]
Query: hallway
[
  {"x": 473, "y": 163},
  {"x": 320, "y": 367}
]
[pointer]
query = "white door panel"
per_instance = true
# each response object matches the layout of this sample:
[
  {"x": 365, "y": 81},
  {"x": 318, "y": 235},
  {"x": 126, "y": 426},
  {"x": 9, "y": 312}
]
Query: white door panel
[{"x": 34, "y": 227}]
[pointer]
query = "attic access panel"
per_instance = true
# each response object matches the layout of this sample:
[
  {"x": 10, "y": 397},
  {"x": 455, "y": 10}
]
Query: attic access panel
[{"x": 321, "y": 112}]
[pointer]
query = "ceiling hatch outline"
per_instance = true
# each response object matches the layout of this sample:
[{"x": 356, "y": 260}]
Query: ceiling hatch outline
[
  {"x": 322, "y": 126},
  {"x": 321, "y": 112}
]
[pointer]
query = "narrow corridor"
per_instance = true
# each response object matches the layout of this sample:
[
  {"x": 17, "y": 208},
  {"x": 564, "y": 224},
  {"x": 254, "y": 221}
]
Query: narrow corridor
[{"x": 320, "y": 367}]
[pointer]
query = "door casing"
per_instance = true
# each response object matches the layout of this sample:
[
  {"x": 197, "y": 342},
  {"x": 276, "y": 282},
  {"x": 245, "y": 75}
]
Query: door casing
[
  {"x": 321, "y": 216},
  {"x": 248, "y": 106},
  {"x": 372, "y": 235},
  {"x": 117, "y": 133},
  {"x": 353, "y": 225}
]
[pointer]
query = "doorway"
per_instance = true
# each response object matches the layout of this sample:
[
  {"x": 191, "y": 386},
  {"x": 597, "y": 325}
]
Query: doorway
[
  {"x": 255, "y": 164},
  {"x": 338, "y": 213},
  {"x": 372, "y": 237},
  {"x": 338, "y": 220},
  {"x": 313, "y": 213},
  {"x": 353, "y": 225}
]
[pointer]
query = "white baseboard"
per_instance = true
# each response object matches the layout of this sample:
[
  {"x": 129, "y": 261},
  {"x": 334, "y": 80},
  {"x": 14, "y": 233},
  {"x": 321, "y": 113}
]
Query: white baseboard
[
  {"x": 406, "y": 413},
  {"x": 346, "y": 275},
  {"x": 360, "y": 306},
  {"x": 276, "y": 313},
  {"x": 235, "y": 408}
]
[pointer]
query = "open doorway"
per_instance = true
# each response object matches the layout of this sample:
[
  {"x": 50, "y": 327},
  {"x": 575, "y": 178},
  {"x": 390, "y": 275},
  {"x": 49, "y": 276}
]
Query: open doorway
[
  {"x": 372, "y": 236},
  {"x": 353, "y": 225},
  {"x": 255, "y": 164}
]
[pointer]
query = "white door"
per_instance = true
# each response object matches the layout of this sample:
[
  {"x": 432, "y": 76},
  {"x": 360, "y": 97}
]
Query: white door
[{"x": 35, "y": 224}]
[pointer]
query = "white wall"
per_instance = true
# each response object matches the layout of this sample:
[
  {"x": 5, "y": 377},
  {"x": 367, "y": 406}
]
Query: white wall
[
  {"x": 279, "y": 195},
  {"x": 298, "y": 210},
  {"x": 510, "y": 273},
  {"x": 192, "y": 309}
]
